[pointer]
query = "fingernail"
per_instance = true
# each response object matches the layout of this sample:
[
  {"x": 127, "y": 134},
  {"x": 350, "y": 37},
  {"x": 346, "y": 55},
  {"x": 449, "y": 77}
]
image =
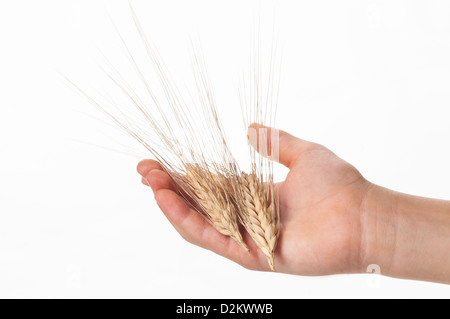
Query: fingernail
[{"x": 145, "y": 181}]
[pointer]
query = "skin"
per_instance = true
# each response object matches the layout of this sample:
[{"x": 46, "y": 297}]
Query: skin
[{"x": 333, "y": 221}]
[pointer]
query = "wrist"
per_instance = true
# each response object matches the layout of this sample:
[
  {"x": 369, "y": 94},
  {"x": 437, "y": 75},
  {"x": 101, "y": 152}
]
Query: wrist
[{"x": 378, "y": 220}]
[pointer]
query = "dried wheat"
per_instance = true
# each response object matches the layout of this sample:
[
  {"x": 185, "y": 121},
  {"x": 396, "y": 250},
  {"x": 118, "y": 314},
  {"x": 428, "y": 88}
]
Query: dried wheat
[
  {"x": 259, "y": 216},
  {"x": 215, "y": 187},
  {"x": 209, "y": 191}
]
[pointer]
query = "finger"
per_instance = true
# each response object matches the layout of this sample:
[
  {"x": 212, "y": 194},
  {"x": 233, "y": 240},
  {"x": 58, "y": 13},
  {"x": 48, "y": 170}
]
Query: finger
[
  {"x": 158, "y": 179},
  {"x": 195, "y": 229},
  {"x": 172, "y": 205},
  {"x": 277, "y": 144},
  {"x": 147, "y": 165},
  {"x": 192, "y": 226}
]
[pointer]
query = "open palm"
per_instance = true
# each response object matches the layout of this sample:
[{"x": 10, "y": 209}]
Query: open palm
[{"x": 320, "y": 213}]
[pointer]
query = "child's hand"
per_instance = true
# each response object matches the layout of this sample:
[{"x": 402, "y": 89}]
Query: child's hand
[
  {"x": 332, "y": 221},
  {"x": 320, "y": 203}
]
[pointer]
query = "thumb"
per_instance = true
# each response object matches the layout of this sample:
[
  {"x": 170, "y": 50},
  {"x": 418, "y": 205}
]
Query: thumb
[{"x": 277, "y": 144}]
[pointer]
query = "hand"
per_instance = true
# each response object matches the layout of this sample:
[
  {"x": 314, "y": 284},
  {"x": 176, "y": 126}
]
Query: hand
[{"x": 320, "y": 213}]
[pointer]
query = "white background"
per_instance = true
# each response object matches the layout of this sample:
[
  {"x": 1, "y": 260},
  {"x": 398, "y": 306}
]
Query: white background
[{"x": 368, "y": 79}]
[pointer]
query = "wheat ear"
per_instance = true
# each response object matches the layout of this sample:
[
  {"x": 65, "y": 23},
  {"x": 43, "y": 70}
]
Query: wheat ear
[
  {"x": 216, "y": 204},
  {"x": 259, "y": 217}
]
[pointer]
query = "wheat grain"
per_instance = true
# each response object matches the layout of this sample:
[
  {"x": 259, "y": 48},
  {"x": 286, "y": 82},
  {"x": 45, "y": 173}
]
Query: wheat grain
[
  {"x": 211, "y": 192},
  {"x": 259, "y": 215},
  {"x": 225, "y": 200}
]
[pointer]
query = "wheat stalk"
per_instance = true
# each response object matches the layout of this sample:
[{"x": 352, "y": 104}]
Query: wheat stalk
[{"x": 213, "y": 185}]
